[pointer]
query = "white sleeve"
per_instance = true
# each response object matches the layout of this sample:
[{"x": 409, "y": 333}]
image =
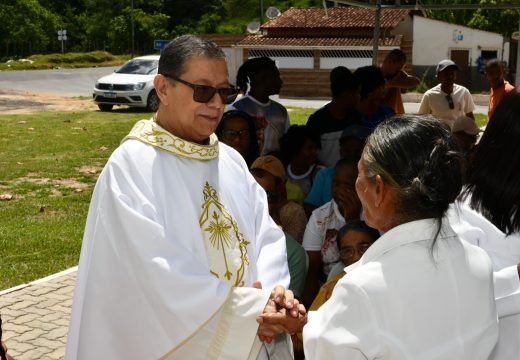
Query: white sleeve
[
  {"x": 469, "y": 105},
  {"x": 344, "y": 327},
  {"x": 312, "y": 236},
  {"x": 507, "y": 291},
  {"x": 424, "y": 108}
]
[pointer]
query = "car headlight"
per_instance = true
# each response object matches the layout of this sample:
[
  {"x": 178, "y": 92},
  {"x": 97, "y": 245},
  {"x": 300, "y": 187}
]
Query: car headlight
[{"x": 139, "y": 86}]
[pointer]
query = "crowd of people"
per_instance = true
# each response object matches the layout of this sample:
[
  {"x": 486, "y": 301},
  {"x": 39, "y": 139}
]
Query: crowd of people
[{"x": 217, "y": 230}]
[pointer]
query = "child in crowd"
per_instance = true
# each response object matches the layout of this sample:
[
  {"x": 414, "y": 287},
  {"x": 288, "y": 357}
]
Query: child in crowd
[
  {"x": 299, "y": 149},
  {"x": 259, "y": 78},
  {"x": 499, "y": 86},
  {"x": 396, "y": 79},
  {"x": 353, "y": 240}
]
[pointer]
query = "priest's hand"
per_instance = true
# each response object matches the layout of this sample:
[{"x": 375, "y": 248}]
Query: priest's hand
[{"x": 282, "y": 318}]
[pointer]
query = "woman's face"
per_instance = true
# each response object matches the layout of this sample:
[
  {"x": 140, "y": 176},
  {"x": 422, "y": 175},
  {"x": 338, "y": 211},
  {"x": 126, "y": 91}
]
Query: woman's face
[
  {"x": 236, "y": 133},
  {"x": 366, "y": 190}
]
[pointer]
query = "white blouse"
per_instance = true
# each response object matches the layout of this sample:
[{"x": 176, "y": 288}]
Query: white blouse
[{"x": 399, "y": 302}]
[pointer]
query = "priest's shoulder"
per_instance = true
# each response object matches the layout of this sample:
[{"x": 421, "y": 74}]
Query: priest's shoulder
[{"x": 133, "y": 153}]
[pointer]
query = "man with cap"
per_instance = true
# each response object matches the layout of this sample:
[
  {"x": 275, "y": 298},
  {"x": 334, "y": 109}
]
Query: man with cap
[
  {"x": 351, "y": 144},
  {"x": 447, "y": 100},
  {"x": 465, "y": 132}
]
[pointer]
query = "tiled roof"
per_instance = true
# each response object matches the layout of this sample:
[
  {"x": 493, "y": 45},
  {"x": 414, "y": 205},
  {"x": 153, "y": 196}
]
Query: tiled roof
[
  {"x": 338, "y": 17},
  {"x": 265, "y": 41}
]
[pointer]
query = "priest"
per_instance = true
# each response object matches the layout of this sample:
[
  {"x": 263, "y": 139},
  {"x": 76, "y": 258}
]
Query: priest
[{"x": 178, "y": 240}]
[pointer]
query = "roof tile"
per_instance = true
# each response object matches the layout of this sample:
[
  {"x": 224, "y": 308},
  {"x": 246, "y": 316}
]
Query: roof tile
[
  {"x": 338, "y": 17},
  {"x": 261, "y": 41}
]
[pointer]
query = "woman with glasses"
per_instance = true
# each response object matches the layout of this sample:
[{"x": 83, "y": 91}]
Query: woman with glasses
[{"x": 237, "y": 129}]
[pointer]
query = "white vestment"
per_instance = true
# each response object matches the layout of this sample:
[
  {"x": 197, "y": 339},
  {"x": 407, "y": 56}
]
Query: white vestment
[
  {"x": 399, "y": 303},
  {"x": 504, "y": 252},
  {"x": 176, "y": 234}
]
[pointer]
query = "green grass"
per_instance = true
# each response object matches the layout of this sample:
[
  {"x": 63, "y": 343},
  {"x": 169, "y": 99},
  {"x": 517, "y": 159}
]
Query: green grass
[
  {"x": 67, "y": 60},
  {"x": 42, "y": 158},
  {"x": 299, "y": 115}
]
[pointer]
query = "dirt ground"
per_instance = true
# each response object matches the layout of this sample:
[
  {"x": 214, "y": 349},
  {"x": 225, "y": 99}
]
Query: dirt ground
[{"x": 25, "y": 102}]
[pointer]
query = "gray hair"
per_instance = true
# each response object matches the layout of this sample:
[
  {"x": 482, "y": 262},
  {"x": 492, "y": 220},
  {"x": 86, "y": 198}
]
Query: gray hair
[
  {"x": 176, "y": 54},
  {"x": 415, "y": 154}
]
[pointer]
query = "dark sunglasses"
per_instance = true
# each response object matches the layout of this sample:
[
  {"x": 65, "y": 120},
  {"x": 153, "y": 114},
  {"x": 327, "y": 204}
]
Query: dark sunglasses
[
  {"x": 204, "y": 93},
  {"x": 450, "y": 102},
  {"x": 232, "y": 134}
]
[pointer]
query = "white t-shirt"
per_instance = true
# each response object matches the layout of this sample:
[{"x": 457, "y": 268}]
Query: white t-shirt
[{"x": 434, "y": 102}]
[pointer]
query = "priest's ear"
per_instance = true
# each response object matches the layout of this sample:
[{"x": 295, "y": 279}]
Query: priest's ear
[{"x": 161, "y": 85}]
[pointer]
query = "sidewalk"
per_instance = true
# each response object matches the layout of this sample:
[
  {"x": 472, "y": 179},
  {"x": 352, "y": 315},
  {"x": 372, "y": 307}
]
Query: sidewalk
[{"x": 35, "y": 317}]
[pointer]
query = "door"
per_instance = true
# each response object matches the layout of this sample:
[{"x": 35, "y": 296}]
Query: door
[{"x": 461, "y": 58}]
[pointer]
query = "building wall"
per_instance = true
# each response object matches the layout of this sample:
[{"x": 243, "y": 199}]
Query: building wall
[{"x": 434, "y": 40}]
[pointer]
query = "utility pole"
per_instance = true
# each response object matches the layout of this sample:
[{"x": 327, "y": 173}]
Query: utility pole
[
  {"x": 132, "y": 25},
  {"x": 377, "y": 33}
]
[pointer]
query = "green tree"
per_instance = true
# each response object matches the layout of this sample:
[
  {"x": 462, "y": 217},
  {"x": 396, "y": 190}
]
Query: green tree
[{"x": 26, "y": 27}]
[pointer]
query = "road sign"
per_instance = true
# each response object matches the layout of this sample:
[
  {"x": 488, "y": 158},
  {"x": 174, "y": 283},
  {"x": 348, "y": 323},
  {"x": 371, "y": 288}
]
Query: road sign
[
  {"x": 159, "y": 44},
  {"x": 62, "y": 36}
]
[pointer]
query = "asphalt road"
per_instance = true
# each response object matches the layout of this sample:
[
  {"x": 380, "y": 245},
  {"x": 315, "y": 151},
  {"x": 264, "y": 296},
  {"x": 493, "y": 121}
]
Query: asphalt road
[
  {"x": 70, "y": 82},
  {"x": 79, "y": 82}
]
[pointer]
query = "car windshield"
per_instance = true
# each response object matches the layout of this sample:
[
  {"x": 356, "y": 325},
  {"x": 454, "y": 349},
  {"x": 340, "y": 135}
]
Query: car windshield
[{"x": 139, "y": 66}]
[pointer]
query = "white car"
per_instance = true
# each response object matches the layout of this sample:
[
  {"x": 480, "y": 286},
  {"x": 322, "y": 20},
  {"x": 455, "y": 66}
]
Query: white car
[{"x": 131, "y": 85}]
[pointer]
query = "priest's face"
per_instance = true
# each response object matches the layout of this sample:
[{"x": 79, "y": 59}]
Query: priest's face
[{"x": 180, "y": 113}]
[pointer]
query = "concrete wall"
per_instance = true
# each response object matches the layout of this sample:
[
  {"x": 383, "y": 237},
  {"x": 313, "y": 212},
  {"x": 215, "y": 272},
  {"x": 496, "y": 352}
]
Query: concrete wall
[{"x": 434, "y": 40}]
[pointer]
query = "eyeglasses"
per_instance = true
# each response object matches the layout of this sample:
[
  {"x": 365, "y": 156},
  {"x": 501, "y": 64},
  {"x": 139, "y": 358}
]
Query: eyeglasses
[
  {"x": 204, "y": 93},
  {"x": 232, "y": 134},
  {"x": 450, "y": 102},
  {"x": 349, "y": 252}
]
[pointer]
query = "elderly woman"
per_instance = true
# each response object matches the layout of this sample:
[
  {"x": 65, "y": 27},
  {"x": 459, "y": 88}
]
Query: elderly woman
[{"x": 419, "y": 292}]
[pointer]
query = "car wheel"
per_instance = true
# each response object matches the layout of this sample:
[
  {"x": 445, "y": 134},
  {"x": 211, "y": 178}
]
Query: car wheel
[
  {"x": 152, "y": 104},
  {"x": 105, "y": 107}
]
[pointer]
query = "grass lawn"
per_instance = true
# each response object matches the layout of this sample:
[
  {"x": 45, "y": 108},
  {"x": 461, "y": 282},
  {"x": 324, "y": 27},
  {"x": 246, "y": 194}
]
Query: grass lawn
[{"x": 49, "y": 164}]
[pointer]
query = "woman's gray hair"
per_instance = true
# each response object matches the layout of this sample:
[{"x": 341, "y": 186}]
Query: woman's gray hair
[
  {"x": 176, "y": 54},
  {"x": 415, "y": 154}
]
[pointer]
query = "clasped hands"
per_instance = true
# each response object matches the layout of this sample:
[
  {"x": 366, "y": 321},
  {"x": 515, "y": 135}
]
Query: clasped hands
[{"x": 283, "y": 313}]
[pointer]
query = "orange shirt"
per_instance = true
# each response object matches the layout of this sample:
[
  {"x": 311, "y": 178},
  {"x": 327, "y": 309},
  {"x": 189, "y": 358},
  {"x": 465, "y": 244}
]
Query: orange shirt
[{"x": 496, "y": 95}]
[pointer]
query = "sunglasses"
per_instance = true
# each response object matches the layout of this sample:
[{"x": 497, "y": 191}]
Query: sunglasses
[
  {"x": 232, "y": 134},
  {"x": 204, "y": 93},
  {"x": 450, "y": 102}
]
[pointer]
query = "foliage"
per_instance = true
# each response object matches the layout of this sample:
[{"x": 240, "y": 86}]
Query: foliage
[{"x": 30, "y": 26}]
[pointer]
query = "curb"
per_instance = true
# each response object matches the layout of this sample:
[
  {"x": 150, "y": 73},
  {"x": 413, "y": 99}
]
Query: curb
[{"x": 40, "y": 281}]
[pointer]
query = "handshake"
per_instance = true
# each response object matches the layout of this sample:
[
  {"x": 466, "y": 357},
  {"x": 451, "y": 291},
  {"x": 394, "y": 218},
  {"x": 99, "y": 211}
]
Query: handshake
[{"x": 283, "y": 313}]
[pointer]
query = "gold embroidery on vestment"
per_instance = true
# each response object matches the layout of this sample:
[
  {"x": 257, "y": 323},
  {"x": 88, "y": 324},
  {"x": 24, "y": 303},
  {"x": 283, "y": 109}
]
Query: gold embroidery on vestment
[
  {"x": 149, "y": 132},
  {"x": 225, "y": 245}
]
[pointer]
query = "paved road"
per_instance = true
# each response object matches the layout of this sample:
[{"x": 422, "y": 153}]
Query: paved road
[
  {"x": 73, "y": 82},
  {"x": 79, "y": 82}
]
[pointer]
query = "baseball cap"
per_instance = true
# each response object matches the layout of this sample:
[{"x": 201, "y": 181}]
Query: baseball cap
[
  {"x": 465, "y": 124},
  {"x": 270, "y": 164},
  {"x": 444, "y": 64},
  {"x": 357, "y": 131}
]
